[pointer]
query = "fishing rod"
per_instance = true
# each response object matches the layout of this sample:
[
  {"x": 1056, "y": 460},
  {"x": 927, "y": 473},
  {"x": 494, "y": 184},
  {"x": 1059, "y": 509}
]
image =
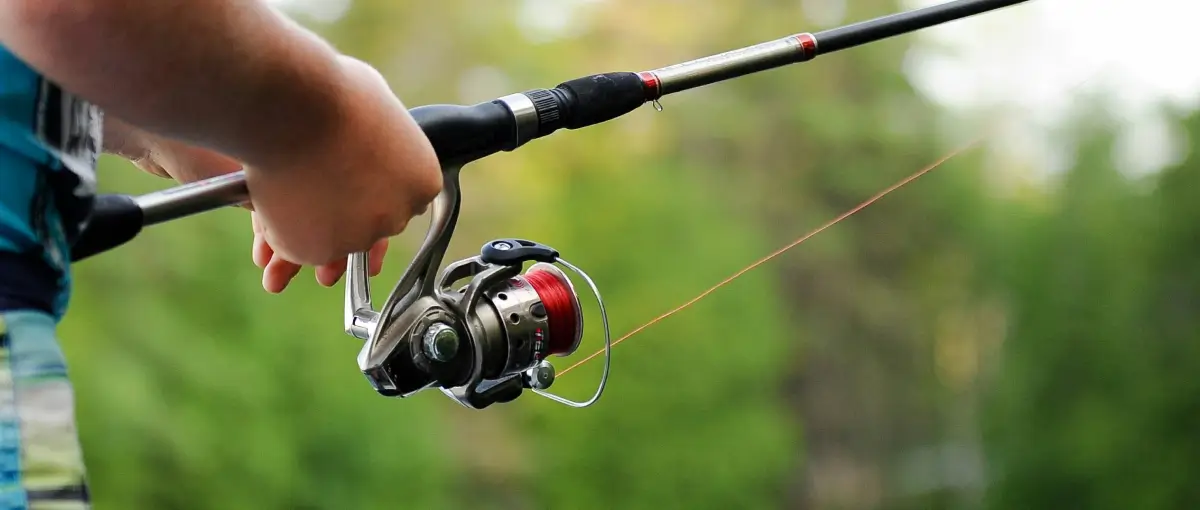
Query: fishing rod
[{"x": 482, "y": 330}]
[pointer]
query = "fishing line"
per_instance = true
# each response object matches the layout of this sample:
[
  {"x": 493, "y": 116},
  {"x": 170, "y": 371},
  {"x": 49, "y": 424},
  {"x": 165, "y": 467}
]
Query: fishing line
[
  {"x": 904, "y": 182},
  {"x": 783, "y": 250}
]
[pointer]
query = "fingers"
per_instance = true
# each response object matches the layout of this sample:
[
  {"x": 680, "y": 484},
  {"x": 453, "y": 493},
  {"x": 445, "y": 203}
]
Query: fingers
[
  {"x": 261, "y": 252},
  {"x": 151, "y": 167},
  {"x": 278, "y": 274},
  {"x": 329, "y": 274},
  {"x": 375, "y": 259}
]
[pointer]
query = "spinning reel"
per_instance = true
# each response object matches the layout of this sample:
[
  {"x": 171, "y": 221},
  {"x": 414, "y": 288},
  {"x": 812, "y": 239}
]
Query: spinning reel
[
  {"x": 481, "y": 330},
  {"x": 486, "y": 340}
]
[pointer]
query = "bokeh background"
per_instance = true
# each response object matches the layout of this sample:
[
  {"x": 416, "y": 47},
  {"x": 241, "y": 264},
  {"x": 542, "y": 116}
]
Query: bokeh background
[{"x": 1015, "y": 330}]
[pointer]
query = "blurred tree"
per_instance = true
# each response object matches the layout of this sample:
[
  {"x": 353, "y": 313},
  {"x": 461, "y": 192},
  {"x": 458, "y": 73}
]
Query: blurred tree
[
  {"x": 1096, "y": 407},
  {"x": 1173, "y": 330},
  {"x": 872, "y": 303},
  {"x": 1079, "y": 293}
]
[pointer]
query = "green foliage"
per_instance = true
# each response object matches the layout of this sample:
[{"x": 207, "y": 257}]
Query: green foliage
[{"x": 1096, "y": 408}]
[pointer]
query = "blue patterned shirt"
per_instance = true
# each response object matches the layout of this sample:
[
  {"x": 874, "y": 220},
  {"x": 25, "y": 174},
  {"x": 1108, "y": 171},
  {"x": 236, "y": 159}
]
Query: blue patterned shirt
[{"x": 49, "y": 143}]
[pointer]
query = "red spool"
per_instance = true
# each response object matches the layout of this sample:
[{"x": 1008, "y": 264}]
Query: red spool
[{"x": 562, "y": 308}]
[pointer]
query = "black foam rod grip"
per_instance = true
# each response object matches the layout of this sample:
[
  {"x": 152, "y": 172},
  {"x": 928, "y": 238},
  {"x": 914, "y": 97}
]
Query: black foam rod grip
[
  {"x": 602, "y": 97},
  {"x": 461, "y": 134},
  {"x": 115, "y": 220}
]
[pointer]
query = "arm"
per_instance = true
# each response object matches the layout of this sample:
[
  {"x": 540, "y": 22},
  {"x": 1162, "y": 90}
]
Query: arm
[
  {"x": 246, "y": 82},
  {"x": 334, "y": 161},
  {"x": 164, "y": 157}
]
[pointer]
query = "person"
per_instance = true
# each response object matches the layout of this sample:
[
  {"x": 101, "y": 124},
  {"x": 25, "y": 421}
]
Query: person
[{"x": 187, "y": 90}]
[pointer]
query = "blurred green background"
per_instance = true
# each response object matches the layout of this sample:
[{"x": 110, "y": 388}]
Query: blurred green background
[{"x": 961, "y": 344}]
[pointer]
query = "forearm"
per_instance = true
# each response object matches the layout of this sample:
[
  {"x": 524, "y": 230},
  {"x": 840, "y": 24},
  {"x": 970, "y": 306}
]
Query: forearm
[{"x": 231, "y": 75}]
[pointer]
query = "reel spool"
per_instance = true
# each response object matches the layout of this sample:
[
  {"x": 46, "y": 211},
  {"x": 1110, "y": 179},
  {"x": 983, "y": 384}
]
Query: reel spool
[
  {"x": 482, "y": 329},
  {"x": 540, "y": 312}
]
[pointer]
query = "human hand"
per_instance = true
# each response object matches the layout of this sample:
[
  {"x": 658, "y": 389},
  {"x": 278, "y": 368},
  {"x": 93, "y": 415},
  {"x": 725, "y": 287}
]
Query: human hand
[
  {"x": 377, "y": 170},
  {"x": 279, "y": 272},
  {"x": 316, "y": 205},
  {"x": 186, "y": 163}
]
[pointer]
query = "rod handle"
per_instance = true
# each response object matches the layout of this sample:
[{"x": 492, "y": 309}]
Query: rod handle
[{"x": 116, "y": 220}]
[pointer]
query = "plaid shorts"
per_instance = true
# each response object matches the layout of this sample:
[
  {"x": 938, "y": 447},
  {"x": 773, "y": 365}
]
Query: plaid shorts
[{"x": 41, "y": 462}]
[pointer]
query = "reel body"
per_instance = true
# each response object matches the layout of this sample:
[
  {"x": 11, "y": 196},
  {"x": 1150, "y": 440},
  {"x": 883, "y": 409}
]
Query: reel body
[{"x": 481, "y": 330}]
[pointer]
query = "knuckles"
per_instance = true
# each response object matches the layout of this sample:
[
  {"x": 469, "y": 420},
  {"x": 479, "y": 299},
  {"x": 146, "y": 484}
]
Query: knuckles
[
  {"x": 426, "y": 188},
  {"x": 317, "y": 216}
]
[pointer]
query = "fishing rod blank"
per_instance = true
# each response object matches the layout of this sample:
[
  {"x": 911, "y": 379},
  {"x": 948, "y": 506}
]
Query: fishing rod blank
[
  {"x": 804, "y": 47},
  {"x": 462, "y": 134}
]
